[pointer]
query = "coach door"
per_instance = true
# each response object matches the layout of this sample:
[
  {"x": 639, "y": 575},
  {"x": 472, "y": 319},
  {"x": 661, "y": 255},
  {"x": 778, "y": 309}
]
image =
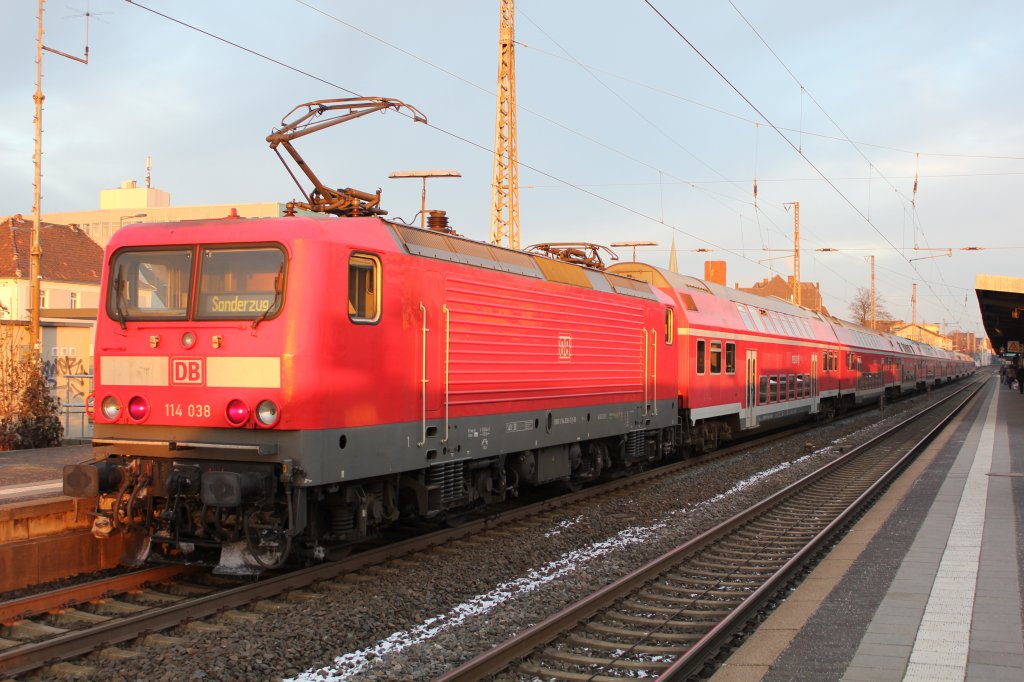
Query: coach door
[
  {"x": 814, "y": 383},
  {"x": 749, "y": 413}
]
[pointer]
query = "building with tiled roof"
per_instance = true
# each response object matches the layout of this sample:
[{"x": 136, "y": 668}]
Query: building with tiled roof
[
  {"x": 810, "y": 293},
  {"x": 69, "y": 267},
  {"x": 70, "y": 283}
]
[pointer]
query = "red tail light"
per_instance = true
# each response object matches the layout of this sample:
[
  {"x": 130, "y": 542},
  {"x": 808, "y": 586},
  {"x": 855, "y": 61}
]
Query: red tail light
[
  {"x": 238, "y": 412},
  {"x": 138, "y": 408}
]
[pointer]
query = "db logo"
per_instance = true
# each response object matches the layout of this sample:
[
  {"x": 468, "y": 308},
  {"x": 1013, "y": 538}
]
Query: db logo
[
  {"x": 564, "y": 347},
  {"x": 187, "y": 371}
]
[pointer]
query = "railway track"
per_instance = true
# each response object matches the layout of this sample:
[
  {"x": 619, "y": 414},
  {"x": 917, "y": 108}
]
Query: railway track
[
  {"x": 39, "y": 631},
  {"x": 667, "y": 619}
]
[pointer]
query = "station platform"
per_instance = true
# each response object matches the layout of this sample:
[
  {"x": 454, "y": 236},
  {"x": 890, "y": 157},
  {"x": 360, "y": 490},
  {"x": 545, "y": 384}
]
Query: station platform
[
  {"x": 31, "y": 474},
  {"x": 927, "y": 585}
]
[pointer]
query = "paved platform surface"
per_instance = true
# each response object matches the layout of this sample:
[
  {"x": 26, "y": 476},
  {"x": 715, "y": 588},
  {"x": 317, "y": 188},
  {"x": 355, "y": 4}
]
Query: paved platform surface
[
  {"x": 28, "y": 474},
  {"x": 927, "y": 586}
]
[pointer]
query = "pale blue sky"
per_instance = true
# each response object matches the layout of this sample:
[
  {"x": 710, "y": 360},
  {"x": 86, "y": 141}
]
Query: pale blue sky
[{"x": 624, "y": 132}]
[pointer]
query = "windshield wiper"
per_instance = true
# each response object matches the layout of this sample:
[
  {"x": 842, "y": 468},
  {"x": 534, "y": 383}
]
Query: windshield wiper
[
  {"x": 120, "y": 300},
  {"x": 278, "y": 291}
]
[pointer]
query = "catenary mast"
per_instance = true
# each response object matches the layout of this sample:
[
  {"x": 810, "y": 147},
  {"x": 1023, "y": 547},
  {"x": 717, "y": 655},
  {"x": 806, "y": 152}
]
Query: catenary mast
[{"x": 505, "y": 188}]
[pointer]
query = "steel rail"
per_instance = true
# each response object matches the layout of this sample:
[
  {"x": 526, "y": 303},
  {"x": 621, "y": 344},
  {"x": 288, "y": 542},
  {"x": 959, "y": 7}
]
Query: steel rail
[
  {"x": 33, "y": 655},
  {"x": 498, "y": 658},
  {"x": 44, "y": 602},
  {"x": 694, "y": 659}
]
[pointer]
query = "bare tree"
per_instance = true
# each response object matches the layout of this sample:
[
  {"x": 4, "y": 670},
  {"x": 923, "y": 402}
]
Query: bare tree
[
  {"x": 29, "y": 413},
  {"x": 860, "y": 308}
]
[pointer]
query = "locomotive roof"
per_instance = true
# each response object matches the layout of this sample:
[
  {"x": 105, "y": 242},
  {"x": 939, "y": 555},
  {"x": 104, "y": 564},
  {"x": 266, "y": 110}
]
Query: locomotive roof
[{"x": 458, "y": 249}]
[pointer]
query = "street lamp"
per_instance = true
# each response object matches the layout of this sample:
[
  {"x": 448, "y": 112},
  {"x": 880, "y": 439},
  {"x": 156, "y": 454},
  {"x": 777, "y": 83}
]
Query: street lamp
[
  {"x": 634, "y": 245},
  {"x": 424, "y": 174},
  {"x": 120, "y": 223}
]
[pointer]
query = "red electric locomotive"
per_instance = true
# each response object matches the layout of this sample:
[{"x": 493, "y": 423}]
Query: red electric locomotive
[{"x": 265, "y": 387}]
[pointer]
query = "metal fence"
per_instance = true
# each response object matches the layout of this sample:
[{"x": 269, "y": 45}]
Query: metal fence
[{"x": 74, "y": 412}]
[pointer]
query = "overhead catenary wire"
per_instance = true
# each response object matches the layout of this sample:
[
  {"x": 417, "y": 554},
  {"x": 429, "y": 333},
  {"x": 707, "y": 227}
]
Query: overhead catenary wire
[
  {"x": 482, "y": 147},
  {"x": 768, "y": 121}
]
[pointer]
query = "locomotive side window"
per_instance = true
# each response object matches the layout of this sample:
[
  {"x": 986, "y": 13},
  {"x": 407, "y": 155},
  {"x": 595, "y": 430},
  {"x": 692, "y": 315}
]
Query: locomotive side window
[
  {"x": 700, "y": 356},
  {"x": 364, "y": 288},
  {"x": 240, "y": 283},
  {"x": 670, "y": 325},
  {"x": 730, "y": 357},
  {"x": 148, "y": 285},
  {"x": 716, "y": 357}
]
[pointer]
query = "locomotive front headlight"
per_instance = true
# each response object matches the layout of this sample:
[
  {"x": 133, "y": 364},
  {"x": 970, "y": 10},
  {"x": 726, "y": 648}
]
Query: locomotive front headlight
[
  {"x": 138, "y": 408},
  {"x": 111, "y": 407},
  {"x": 237, "y": 412},
  {"x": 267, "y": 413},
  {"x": 188, "y": 339}
]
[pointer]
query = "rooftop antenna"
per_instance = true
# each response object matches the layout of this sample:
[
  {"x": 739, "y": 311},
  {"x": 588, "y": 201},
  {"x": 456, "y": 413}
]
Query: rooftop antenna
[{"x": 149, "y": 168}]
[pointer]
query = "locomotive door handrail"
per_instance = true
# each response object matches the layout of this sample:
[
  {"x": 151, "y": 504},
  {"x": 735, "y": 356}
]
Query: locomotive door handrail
[
  {"x": 447, "y": 347},
  {"x": 647, "y": 350},
  {"x": 423, "y": 379},
  {"x": 654, "y": 374}
]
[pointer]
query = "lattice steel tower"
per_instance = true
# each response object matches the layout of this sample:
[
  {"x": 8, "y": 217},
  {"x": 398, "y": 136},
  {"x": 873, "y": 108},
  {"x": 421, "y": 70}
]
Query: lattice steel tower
[{"x": 505, "y": 188}]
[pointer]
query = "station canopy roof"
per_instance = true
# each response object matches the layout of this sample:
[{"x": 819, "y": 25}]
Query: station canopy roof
[{"x": 1001, "y": 300}]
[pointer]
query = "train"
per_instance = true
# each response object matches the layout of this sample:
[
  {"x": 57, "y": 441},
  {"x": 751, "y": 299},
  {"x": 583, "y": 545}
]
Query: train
[{"x": 284, "y": 388}]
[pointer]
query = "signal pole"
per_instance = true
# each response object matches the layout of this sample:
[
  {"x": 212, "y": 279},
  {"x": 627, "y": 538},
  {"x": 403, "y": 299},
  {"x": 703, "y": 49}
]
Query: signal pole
[
  {"x": 872, "y": 291},
  {"x": 505, "y": 188},
  {"x": 37, "y": 158},
  {"x": 796, "y": 250},
  {"x": 913, "y": 306},
  {"x": 37, "y": 251}
]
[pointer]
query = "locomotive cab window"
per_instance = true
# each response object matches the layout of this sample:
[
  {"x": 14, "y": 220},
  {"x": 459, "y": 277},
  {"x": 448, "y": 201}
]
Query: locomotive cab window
[
  {"x": 364, "y": 289},
  {"x": 150, "y": 285},
  {"x": 240, "y": 283},
  {"x": 670, "y": 325}
]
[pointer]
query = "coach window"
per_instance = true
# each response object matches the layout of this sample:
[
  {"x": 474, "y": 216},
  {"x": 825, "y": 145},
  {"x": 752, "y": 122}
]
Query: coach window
[
  {"x": 800, "y": 386},
  {"x": 716, "y": 357},
  {"x": 762, "y": 393},
  {"x": 773, "y": 389},
  {"x": 730, "y": 357},
  {"x": 700, "y": 355},
  {"x": 364, "y": 276},
  {"x": 782, "y": 387},
  {"x": 792, "y": 386},
  {"x": 670, "y": 325}
]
